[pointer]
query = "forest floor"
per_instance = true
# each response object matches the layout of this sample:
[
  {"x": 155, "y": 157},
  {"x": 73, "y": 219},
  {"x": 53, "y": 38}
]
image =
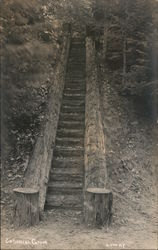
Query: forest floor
[
  {"x": 132, "y": 164},
  {"x": 66, "y": 230}
]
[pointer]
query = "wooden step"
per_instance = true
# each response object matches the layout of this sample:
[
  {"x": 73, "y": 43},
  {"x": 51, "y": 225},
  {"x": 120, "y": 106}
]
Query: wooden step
[
  {"x": 68, "y": 185},
  {"x": 75, "y": 71},
  {"x": 66, "y": 177},
  {"x": 80, "y": 47},
  {"x": 75, "y": 81},
  {"x": 71, "y": 125},
  {"x": 74, "y": 103},
  {"x": 77, "y": 162},
  {"x": 66, "y": 201},
  {"x": 74, "y": 91},
  {"x": 75, "y": 133},
  {"x": 67, "y": 171},
  {"x": 78, "y": 103},
  {"x": 72, "y": 117},
  {"x": 63, "y": 190},
  {"x": 80, "y": 94},
  {"x": 75, "y": 74},
  {"x": 77, "y": 57},
  {"x": 67, "y": 141},
  {"x": 60, "y": 151},
  {"x": 74, "y": 97},
  {"x": 79, "y": 65},
  {"x": 75, "y": 78},
  {"x": 77, "y": 62},
  {"x": 76, "y": 52},
  {"x": 76, "y": 48},
  {"x": 75, "y": 85},
  {"x": 72, "y": 111},
  {"x": 75, "y": 88},
  {"x": 68, "y": 109}
]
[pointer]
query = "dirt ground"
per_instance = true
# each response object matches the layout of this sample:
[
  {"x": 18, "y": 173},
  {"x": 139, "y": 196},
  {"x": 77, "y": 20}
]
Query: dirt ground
[{"x": 66, "y": 230}]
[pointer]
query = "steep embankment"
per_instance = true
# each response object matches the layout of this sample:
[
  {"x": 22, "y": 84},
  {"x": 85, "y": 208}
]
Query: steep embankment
[
  {"x": 131, "y": 143},
  {"x": 31, "y": 38},
  {"x": 31, "y": 43}
]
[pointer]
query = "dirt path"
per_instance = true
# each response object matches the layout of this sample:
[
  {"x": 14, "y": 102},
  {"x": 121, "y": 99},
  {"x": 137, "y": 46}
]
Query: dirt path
[{"x": 66, "y": 230}]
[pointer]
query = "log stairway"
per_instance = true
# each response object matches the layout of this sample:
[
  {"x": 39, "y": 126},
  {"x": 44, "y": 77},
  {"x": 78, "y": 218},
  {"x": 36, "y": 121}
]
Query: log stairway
[{"x": 65, "y": 186}]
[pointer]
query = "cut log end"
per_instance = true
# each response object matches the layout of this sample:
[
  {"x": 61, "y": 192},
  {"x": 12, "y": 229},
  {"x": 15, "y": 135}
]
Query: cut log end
[
  {"x": 26, "y": 190},
  {"x": 98, "y": 190},
  {"x": 26, "y": 207},
  {"x": 98, "y": 207}
]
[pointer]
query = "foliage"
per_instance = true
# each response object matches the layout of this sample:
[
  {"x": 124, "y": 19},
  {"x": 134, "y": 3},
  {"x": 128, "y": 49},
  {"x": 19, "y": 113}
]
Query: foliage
[{"x": 131, "y": 40}]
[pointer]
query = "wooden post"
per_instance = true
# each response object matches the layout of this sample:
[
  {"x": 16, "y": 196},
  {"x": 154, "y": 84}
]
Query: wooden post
[
  {"x": 98, "y": 207},
  {"x": 26, "y": 207}
]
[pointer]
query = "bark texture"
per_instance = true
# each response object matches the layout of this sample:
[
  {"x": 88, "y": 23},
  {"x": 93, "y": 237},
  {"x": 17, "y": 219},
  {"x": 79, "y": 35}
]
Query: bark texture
[
  {"x": 26, "y": 207},
  {"x": 95, "y": 162},
  {"x": 97, "y": 200},
  {"x": 98, "y": 212}
]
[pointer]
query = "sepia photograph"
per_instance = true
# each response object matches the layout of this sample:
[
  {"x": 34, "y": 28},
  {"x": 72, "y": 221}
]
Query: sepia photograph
[{"x": 79, "y": 124}]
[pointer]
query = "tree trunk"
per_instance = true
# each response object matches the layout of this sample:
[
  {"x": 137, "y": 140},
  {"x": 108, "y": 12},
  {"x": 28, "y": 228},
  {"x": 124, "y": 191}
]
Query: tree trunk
[
  {"x": 26, "y": 207},
  {"x": 154, "y": 87},
  {"x": 98, "y": 207},
  {"x": 124, "y": 32},
  {"x": 105, "y": 41},
  {"x": 124, "y": 59}
]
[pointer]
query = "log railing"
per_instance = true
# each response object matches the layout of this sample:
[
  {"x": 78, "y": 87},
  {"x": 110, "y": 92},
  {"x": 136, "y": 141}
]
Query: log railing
[
  {"x": 95, "y": 162},
  {"x": 37, "y": 174},
  {"x": 97, "y": 199}
]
